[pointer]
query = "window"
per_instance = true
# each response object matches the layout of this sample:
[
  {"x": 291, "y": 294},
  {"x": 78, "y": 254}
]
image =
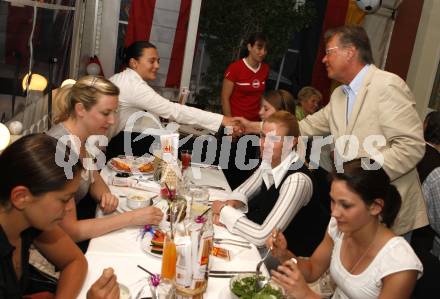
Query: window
[{"x": 123, "y": 23}]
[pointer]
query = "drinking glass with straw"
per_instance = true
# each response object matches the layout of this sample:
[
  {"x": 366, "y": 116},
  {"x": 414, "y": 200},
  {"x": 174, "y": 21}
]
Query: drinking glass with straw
[{"x": 169, "y": 255}]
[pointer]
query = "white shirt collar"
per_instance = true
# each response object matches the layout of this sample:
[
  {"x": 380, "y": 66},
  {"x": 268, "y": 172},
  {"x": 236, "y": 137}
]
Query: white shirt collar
[
  {"x": 355, "y": 84},
  {"x": 276, "y": 175},
  {"x": 133, "y": 73},
  {"x": 249, "y": 67}
]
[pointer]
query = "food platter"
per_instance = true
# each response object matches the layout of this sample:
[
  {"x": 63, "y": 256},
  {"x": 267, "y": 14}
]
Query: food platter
[
  {"x": 243, "y": 286},
  {"x": 147, "y": 244},
  {"x": 131, "y": 164}
]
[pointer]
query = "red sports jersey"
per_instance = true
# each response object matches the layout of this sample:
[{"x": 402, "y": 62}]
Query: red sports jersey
[{"x": 249, "y": 85}]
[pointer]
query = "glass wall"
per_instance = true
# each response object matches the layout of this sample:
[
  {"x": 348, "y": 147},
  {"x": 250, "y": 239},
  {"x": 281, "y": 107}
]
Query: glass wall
[{"x": 51, "y": 29}]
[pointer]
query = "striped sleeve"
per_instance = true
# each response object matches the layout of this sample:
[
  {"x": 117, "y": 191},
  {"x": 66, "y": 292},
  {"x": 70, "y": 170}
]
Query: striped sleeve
[
  {"x": 252, "y": 185},
  {"x": 295, "y": 193},
  {"x": 229, "y": 215}
]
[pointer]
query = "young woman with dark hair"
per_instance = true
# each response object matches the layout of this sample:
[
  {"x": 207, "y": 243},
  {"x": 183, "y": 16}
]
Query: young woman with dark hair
[
  {"x": 276, "y": 100},
  {"x": 366, "y": 259},
  {"x": 245, "y": 80},
  {"x": 143, "y": 62},
  {"x": 34, "y": 196},
  {"x": 136, "y": 95}
]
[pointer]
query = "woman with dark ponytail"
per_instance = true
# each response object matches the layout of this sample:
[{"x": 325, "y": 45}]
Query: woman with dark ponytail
[
  {"x": 34, "y": 192},
  {"x": 366, "y": 259},
  {"x": 34, "y": 196},
  {"x": 245, "y": 80},
  {"x": 143, "y": 63}
]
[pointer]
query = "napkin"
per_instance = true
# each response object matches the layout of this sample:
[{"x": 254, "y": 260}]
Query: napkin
[
  {"x": 151, "y": 186},
  {"x": 215, "y": 194}
]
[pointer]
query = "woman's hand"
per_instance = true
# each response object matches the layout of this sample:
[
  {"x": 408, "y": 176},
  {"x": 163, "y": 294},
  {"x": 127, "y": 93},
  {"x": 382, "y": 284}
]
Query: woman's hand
[
  {"x": 216, "y": 220},
  {"x": 147, "y": 215},
  {"x": 106, "y": 287},
  {"x": 290, "y": 278},
  {"x": 278, "y": 243},
  {"x": 217, "y": 206},
  {"x": 108, "y": 203},
  {"x": 247, "y": 126}
]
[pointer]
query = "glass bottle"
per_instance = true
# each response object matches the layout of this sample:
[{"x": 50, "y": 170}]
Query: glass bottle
[{"x": 169, "y": 257}]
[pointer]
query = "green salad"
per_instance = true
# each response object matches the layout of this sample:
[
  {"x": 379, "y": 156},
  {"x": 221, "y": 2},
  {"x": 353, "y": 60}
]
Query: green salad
[{"x": 245, "y": 289}]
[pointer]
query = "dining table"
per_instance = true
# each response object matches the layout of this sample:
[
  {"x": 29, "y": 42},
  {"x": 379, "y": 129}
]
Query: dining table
[{"x": 123, "y": 251}]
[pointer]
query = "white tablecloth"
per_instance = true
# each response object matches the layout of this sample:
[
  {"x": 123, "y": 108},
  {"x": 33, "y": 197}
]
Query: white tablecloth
[{"x": 121, "y": 249}]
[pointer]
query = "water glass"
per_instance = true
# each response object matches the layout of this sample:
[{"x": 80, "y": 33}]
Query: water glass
[
  {"x": 185, "y": 157},
  {"x": 199, "y": 197}
]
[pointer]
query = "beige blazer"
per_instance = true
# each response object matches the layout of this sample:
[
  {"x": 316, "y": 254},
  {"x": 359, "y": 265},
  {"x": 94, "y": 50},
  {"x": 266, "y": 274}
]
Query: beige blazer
[{"x": 384, "y": 106}]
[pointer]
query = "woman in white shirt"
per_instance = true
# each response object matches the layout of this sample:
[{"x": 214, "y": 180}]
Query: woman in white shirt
[
  {"x": 136, "y": 95},
  {"x": 366, "y": 259}
]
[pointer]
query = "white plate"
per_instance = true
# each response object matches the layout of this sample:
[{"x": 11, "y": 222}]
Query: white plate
[
  {"x": 134, "y": 163},
  {"x": 146, "y": 245},
  {"x": 122, "y": 207},
  {"x": 225, "y": 293}
]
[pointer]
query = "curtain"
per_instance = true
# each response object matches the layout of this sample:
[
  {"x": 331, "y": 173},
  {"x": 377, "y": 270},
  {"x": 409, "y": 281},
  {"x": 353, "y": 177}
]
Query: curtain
[
  {"x": 379, "y": 27},
  {"x": 165, "y": 24}
]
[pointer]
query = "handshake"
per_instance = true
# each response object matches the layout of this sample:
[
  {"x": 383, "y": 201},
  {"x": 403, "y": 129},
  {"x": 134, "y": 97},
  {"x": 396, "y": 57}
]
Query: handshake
[{"x": 241, "y": 126}]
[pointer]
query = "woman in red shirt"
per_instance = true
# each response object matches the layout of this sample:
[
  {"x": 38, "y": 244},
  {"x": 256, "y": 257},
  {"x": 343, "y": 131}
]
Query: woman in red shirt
[{"x": 245, "y": 81}]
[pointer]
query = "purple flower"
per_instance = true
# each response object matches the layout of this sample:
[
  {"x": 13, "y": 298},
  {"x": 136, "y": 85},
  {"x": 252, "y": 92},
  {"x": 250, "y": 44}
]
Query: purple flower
[
  {"x": 155, "y": 280},
  {"x": 147, "y": 228},
  {"x": 200, "y": 219}
]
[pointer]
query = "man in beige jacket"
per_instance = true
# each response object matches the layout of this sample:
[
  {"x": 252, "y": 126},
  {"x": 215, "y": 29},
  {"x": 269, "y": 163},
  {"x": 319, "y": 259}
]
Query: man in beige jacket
[{"x": 372, "y": 105}]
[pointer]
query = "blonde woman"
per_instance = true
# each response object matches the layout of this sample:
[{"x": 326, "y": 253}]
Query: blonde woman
[
  {"x": 309, "y": 100},
  {"x": 87, "y": 108}
]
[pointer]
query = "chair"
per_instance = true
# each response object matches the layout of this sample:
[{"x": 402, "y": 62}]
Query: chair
[{"x": 421, "y": 242}]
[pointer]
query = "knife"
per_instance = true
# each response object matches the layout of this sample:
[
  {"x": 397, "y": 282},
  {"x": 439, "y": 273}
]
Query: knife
[
  {"x": 213, "y": 187},
  {"x": 201, "y": 165},
  {"x": 232, "y": 240},
  {"x": 233, "y": 244},
  {"x": 221, "y": 276},
  {"x": 226, "y": 275},
  {"x": 231, "y": 272}
]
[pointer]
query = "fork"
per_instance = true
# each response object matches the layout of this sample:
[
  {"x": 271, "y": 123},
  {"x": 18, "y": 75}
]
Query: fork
[
  {"x": 258, "y": 283},
  {"x": 233, "y": 244},
  {"x": 263, "y": 259}
]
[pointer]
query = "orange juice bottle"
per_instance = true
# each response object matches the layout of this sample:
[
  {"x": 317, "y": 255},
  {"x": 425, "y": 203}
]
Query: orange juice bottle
[{"x": 169, "y": 259}]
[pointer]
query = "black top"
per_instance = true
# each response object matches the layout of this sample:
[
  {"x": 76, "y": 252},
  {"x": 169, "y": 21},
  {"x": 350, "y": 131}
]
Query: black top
[
  {"x": 306, "y": 230},
  {"x": 429, "y": 162},
  {"x": 10, "y": 286}
]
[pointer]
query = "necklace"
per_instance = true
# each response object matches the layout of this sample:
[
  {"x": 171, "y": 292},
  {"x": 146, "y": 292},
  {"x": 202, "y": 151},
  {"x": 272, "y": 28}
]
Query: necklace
[{"x": 352, "y": 268}]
